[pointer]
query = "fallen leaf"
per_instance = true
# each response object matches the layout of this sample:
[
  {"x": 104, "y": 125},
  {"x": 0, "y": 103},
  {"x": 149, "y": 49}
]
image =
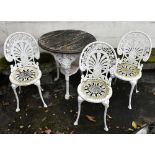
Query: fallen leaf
[
  {"x": 46, "y": 110},
  {"x": 143, "y": 125},
  {"x": 21, "y": 126},
  {"x": 72, "y": 132},
  {"x": 43, "y": 119},
  {"x": 5, "y": 103},
  {"x": 91, "y": 118},
  {"x": 48, "y": 131},
  {"x": 130, "y": 129},
  {"x": 134, "y": 125},
  {"x": 46, "y": 127}
]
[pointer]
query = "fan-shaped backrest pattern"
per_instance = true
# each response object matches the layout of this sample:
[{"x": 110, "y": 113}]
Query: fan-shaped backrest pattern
[
  {"x": 22, "y": 48},
  {"x": 96, "y": 59},
  {"x": 135, "y": 47}
]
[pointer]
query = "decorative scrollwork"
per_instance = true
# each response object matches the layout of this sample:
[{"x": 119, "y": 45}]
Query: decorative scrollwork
[
  {"x": 127, "y": 70},
  {"x": 96, "y": 59},
  {"x": 25, "y": 74},
  {"x": 135, "y": 47},
  {"x": 97, "y": 46},
  {"x": 65, "y": 59},
  {"x": 95, "y": 89},
  {"x": 22, "y": 48}
]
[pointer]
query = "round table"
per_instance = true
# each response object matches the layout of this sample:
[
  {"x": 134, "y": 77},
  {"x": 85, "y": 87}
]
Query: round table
[{"x": 65, "y": 46}]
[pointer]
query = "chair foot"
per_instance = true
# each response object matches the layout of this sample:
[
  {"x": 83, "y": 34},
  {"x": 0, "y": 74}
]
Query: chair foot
[
  {"x": 17, "y": 110},
  {"x": 75, "y": 123},
  {"x": 80, "y": 100},
  {"x": 40, "y": 93},
  {"x": 129, "y": 107},
  {"x": 106, "y": 129},
  {"x": 67, "y": 97},
  {"x": 137, "y": 91},
  {"x": 45, "y": 105}
]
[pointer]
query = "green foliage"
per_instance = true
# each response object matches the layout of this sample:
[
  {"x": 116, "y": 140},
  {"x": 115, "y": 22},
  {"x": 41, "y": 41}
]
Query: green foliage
[
  {"x": 152, "y": 57},
  {"x": 46, "y": 58},
  {"x": 3, "y": 64}
]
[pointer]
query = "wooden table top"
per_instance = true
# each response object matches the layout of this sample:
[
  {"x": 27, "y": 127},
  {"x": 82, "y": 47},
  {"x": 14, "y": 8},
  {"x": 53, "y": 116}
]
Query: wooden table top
[{"x": 65, "y": 41}]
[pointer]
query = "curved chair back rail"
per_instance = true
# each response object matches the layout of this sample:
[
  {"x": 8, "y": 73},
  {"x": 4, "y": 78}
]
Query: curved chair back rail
[
  {"x": 22, "y": 48},
  {"x": 96, "y": 59},
  {"x": 134, "y": 47}
]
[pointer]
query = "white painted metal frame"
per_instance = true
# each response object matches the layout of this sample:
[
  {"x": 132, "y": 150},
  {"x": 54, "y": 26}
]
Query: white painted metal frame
[
  {"x": 64, "y": 64},
  {"x": 97, "y": 60},
  {"x": 22, "y": 49},
  {"x": 134, "y": 47}
]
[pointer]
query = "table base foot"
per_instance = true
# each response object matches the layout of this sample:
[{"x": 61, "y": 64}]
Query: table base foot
[{"x": 67, "y": 97}]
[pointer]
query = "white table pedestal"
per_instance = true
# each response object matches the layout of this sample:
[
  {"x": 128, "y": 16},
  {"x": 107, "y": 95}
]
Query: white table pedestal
[{"x": 64, "y": 64}]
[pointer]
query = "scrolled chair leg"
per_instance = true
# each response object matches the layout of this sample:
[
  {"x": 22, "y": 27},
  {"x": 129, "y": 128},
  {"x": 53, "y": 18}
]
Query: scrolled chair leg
[
  {"x": 58, "y": 71},
  {"x": 115, "y": 80},
  {"x": 137, "y": 91},
  {"x": 20, "y": 90},
  {"x": 17, "y": 99},
  {"x": 40, "y": 93},
  {"x": 112, "y": 82},
  {"x": 106, "y": 104},
  {"x": 80, "y": 100},
  {"x": 133, "y": 84}
]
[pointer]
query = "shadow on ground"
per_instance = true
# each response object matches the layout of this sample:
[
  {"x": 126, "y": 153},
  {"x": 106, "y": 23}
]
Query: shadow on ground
[{"x": 60, "y": 114}]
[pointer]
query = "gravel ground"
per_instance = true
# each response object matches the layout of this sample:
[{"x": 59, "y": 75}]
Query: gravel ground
[{"x": 61, "y": 114}]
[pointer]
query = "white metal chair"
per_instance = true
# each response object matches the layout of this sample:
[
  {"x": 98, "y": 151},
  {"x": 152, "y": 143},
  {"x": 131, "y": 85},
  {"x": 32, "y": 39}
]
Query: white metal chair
[
  {"x": 134, "y": 47},
  {"x": 22, "y": 48},
  {"x": 95, "y": 62}
]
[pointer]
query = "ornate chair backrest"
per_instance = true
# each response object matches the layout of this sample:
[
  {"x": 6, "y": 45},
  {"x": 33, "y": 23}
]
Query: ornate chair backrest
[
  {"x": 135, "y": 47},
  {"x": 96, "y": 60},
  {"x": 22, "y": 48}
]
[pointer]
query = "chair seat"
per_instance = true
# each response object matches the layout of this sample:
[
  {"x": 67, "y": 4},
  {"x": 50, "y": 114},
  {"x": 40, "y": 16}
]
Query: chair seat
[
  {"x": 127, "y": 72},
  {"x": 94, "y": 90},
  {"x": 24, "y": 76}
]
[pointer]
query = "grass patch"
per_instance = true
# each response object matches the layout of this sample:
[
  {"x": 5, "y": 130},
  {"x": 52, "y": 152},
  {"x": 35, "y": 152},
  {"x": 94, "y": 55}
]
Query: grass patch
[{"x": 152, "y": 57}]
